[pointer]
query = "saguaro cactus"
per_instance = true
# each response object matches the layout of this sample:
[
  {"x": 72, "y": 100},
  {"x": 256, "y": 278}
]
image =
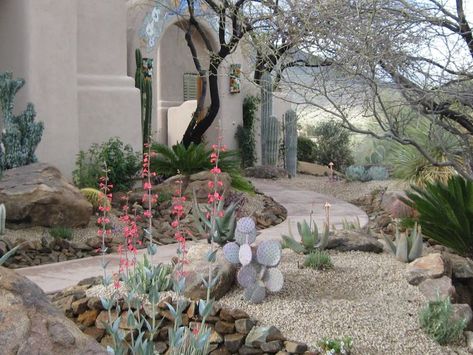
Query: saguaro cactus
[
  {"x": 290, "y": 142},
  {"x": 143, "y": 81},
  {"x": 269, "y": 123},
  {"x": 270, "y": 140},
  {"x": 3, "y": 217}
]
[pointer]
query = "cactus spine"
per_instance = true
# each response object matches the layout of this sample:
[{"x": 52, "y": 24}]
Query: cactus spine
[
  {"x": 3, "y": 217},
  {"x": 145, "y": 85},
  {"x": 269, "y": 123},
  {"x": 290, "y": 142}
]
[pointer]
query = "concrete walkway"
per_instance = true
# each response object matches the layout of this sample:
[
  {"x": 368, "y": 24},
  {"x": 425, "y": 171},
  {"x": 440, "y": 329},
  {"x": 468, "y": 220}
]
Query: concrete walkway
[{"x": 299, "y": 203}]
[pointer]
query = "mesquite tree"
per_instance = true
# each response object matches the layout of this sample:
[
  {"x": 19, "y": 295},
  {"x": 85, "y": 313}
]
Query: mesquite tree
[{"x": 395, "y": 63}]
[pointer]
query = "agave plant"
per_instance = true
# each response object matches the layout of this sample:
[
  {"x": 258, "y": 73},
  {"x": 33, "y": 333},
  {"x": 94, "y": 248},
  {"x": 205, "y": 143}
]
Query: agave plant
[
  {"x": 225, "y": 222},
  {"x": 445, "y": 212},
  {"x": 258, "y": 273},
  {"x": 406, "y": 247},
  {"x": 311, "y": 240}
]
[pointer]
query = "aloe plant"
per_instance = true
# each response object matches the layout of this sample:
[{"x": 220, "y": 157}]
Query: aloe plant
[
  {"x": 406, "y": 247},
  {"x": 225, "y": 222},
  {"x": 311, "y": 240}
]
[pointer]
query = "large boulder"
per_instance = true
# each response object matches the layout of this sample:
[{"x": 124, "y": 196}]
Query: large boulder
[
  {"x": 198, "y": 267},
  {"x": 431, "y": 266},
  {"x": 38, "y": 195},
  {"x": 350, "y": 240},
  {"x": 30, "y": 324}
]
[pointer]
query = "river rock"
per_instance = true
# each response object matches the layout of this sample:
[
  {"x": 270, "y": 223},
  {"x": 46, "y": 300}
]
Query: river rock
[
  {"x": 38, "y": 195},
  {"x": 350, "y": 240}
]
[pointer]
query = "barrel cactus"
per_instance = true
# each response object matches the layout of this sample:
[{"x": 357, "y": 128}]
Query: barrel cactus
[
  {"x": 258, "y": 273},
  {"x": 406, "y": 247}
]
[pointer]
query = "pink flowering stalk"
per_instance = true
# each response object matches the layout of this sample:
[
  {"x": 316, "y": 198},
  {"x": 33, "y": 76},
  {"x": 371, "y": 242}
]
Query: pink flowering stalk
[
  {"x": 104, "y": 220},
  {"x": 128, "y": 250},
  {"x": 148, "y": 198}
]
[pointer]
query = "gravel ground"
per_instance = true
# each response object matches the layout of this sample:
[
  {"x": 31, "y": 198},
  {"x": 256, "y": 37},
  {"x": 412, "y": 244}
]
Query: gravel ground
[
  {"x": 342, "y": 190},
  {"x": 373, "y": 304}
]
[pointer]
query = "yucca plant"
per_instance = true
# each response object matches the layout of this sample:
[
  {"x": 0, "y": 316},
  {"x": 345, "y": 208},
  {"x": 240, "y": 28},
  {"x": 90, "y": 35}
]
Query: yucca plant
[
  {"x": 407, "y": 247},
  {"x": 310, "y": 238},
  {"x": 446, "y": 212},
  {"x": 225, "y": 225}
]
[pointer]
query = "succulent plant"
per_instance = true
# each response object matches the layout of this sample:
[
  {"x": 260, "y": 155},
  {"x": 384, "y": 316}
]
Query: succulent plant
[
  {"x": 3, "y": 217},
  {"x": 258, "y": 273},
  {"x": 310, "y": 238},
  {"x": 224, "y": 226},
  {"x": 406, "y": 247}
]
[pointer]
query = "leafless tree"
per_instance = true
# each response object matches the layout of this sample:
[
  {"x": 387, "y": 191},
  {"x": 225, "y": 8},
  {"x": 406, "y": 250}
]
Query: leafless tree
[{"x": 393, "y": 62}]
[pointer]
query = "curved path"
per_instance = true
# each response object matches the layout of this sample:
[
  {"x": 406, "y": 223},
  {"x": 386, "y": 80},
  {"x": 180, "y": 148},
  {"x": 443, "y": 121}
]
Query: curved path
[{"x": 57, "y": 276}]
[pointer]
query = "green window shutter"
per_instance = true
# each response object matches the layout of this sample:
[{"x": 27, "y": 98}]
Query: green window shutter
[{"x": 190, "y": 86}]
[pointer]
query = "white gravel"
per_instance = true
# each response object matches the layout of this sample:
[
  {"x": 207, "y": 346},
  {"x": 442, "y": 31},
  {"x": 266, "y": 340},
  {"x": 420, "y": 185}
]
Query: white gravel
[
  {"x": 343, "y": 190},
  {"x": 365, "y": 296}
]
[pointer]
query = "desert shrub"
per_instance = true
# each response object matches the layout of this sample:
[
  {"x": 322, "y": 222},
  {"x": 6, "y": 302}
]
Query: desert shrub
[
  {"x": 438, "y": 321},
  {"x": 378, "y": 173},
  {"x": 245, "y": 134},
  {"x": 336, "y": 346},
  {"x": 306, "y": 149},
  {"x": 333, "y": 145},
  {"x": 61, "y": 233},
  {"x": 363, "y": 174},
  {"x": 121, "y": 161},
  {"x": 318, "y": 260},
  {"x": 357, "y": 173},
  {"x": 445, "y": 212}
]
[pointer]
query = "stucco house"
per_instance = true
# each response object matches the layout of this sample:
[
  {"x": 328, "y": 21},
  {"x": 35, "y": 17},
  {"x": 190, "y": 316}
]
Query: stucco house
[{"x": 77, "y": 57}]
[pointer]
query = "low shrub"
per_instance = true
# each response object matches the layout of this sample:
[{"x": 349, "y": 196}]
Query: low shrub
[
  {"x": 445, "y": 212},
  {"x": 356, "y": 173},
  {"x": 337, "y": 346},
  {"x": 363, "y": 174},
  {"x": 378, "y": 173},
  {"x": 306, "y": 150},
  {"x": 438, "y": 321},
  {"x": 61, "y": 233},
  {"x": 121, "y": 161},
  {"x": 318, "y": 260}
]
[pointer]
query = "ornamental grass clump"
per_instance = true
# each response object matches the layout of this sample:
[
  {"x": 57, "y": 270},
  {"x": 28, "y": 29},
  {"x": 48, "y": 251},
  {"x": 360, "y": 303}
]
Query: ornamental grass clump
[
  {"x": 61, "y": 233},
  {"x": 439, "y": 322},
  {"x": 318, "y": 260}
]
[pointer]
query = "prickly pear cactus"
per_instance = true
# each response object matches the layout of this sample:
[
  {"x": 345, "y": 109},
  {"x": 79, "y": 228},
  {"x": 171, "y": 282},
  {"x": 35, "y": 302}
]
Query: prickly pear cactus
[
  {"x": 258, "y": 273},
  {"x": 290, "y": 142}
]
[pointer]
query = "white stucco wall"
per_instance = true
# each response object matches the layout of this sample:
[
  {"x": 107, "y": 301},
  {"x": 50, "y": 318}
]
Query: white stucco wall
[
  {"x": 72, "y": 54},
  {"x": 38, "y": 43}
]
